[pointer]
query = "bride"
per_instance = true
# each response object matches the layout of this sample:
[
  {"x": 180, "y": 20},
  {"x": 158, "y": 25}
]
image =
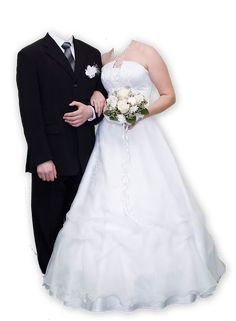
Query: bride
[{"x": 134, "y": 237}]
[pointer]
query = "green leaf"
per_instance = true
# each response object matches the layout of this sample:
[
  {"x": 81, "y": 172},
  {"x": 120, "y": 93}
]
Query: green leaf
[
  {"x": 144, "y": 111},
  {"x": 131, "y": 119}
]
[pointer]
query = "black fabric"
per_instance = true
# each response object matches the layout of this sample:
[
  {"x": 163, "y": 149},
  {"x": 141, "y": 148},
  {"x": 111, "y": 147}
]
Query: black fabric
[
  {"x": 50, "y": 201},
  {"x": 46, "y": 85}
]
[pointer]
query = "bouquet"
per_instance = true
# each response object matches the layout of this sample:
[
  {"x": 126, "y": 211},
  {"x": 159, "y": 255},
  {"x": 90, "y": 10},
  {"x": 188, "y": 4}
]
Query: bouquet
[{"x": 126, "y": 106}]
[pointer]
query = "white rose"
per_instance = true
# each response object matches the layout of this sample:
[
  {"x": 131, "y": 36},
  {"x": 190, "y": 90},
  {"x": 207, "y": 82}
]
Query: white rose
[
  {"x": 121, "y": 119},
  {"x": 123, "y": 106},
  {"x": 112, "y": 101},
  {"x": 139, "y": 98},
  {"x": 123, "y": 93},
  {"x": 132, "y": 100},
  {"x": 134, "y": 92},
  {"x": 133, "y": 109}
]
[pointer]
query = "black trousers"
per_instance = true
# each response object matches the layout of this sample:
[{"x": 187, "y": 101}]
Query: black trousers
[{"x": 50, "y": 201}]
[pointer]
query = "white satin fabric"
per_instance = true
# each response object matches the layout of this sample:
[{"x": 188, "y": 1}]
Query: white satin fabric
[{"x": 134, "y": 236}]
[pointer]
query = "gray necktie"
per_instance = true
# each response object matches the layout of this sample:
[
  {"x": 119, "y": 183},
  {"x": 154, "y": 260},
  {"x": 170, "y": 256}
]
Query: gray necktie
[{"x": 67, "y": 51}]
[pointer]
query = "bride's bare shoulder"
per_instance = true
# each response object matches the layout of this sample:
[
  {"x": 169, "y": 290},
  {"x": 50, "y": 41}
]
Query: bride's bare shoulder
[
  {"x": 107, "y": 56},
  {"x": 148, "y": 50}
]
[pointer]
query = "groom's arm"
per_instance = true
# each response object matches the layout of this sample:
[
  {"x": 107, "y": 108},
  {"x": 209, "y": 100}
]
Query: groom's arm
[{"x": 31, "y": 109}]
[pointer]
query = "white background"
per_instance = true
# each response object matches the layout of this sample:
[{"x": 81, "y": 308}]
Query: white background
[{"x": 197, "y": 41}]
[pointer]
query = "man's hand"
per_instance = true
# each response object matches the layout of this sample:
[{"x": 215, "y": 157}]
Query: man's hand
[
  {"x": 98, "y": 101},
  {"x": 80, "y": 116},
  {"x": 47, "y": 171}
]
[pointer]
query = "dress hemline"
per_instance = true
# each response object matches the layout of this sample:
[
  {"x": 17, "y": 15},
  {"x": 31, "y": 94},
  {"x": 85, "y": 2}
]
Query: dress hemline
[{"x": 107, "y": 305}]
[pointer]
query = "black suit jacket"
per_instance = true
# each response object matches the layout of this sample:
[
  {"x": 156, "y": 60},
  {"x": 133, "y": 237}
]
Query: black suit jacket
[{"x": 46, "y": 85}]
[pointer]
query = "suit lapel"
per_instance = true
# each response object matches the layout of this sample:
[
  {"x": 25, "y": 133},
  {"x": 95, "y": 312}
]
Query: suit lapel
[
  {"x": 56, "y": 53},
  {"x": 80, "y": 57}
]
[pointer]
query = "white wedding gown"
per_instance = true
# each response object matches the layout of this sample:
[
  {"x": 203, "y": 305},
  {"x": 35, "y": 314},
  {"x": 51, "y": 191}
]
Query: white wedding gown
[{"x": 134, "y": 236}]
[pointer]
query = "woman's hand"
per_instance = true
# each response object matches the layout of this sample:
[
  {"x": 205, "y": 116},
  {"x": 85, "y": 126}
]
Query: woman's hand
[
  {"x": 98, "y": 101},
  {"x": 132, "y": 126}
]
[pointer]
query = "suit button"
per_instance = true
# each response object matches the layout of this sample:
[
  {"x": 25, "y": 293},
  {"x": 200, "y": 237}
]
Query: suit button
[{"x": 75, "y": 85}]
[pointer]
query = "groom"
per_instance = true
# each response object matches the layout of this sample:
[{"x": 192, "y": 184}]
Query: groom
[{"x": 51, "y": 74}]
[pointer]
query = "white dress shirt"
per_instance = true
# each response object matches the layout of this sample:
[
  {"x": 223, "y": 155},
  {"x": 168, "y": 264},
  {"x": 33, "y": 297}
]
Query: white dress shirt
[{"x": 59, "y": 41}]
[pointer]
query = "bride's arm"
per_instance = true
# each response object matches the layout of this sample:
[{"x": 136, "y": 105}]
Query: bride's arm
[
  {"x": 107, "y": 56},
  {"x": 160, "y": 76}
]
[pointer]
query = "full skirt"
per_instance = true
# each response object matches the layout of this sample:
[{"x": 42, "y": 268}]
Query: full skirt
[{"x": 134, "y": 236}]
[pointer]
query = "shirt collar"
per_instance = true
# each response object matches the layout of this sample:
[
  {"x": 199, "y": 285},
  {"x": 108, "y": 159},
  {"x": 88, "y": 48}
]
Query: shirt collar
[{"x": 60, "y": 40}]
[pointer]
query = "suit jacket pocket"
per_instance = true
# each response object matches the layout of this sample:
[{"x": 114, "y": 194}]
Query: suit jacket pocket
[{"x": 52, "y": 129}]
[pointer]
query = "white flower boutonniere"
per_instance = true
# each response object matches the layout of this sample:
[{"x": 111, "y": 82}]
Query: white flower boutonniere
[{"x": 91, "y": 71}]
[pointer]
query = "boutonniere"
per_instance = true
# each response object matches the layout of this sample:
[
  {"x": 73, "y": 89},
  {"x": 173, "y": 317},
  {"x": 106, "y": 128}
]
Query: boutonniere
[{"x": 91, "y": 71}]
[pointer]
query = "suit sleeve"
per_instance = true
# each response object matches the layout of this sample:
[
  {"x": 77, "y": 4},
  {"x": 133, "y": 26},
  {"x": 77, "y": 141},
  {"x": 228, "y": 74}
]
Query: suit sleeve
[
  {"x": 31, "y": 109},
  {"x": 99, "y": 87}
]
